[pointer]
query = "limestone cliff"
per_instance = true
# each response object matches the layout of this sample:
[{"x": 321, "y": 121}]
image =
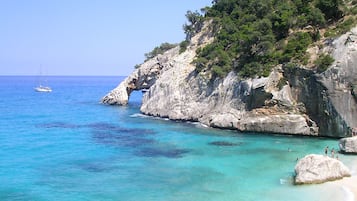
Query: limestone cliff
[
  {"x": 142, "y": 78},
  {"x": 329, "y": 97},
  {"x": 292, "y": 101},
  {"x": 339, "y": 80}
]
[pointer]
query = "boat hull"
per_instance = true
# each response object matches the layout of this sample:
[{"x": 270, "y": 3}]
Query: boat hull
[{"x": 43, "y": 89}]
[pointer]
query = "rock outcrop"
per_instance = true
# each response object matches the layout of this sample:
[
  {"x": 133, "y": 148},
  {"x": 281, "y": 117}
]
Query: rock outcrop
[
  {"x": 292, "y": 101},
  {"x": 142, "y": 78},
  {"x": 348, "y": 145},
  {"x": 328, "y": 97},
  {"x": 228, "y": 103},
  {"x": 340, "y": 107},
  {"x": 259, "y": 105},
  {"x": 314, "y": 169}
]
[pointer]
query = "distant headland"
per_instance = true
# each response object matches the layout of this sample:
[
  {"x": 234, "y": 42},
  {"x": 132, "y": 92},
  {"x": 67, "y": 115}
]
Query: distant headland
[{"x": 292, "y": 75}]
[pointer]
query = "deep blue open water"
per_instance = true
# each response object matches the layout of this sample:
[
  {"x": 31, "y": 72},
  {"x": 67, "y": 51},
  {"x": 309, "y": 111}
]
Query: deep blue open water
[{"x": 66, "y": 146}]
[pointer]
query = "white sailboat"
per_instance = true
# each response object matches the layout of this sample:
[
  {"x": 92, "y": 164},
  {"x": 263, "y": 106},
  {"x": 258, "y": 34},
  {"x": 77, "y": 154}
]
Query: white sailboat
[{"x": 42, "y": 88}]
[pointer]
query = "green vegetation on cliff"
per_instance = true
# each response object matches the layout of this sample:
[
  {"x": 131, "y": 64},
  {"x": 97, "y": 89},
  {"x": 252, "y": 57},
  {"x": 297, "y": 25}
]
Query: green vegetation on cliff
[
  {"x": 252, "y": 36},
  {"x": 156, "y": 51},
  {"x": 159, "y": 50}
]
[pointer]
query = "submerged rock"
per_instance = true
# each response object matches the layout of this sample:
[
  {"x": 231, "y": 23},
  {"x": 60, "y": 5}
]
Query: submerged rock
[
  {"x": 224, "y": 143},
  {"x": 315, "y": 169},
  {"x": 348, "y": 145},
  {"x": 154, "y": 152}
]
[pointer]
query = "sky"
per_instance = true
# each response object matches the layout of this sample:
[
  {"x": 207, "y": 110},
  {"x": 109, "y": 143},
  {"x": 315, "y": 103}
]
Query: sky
[{"x": 86, "y": 37}]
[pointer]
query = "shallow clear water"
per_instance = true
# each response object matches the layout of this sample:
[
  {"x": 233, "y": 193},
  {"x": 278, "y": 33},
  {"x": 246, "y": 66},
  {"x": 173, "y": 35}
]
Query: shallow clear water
[{"x": 65, "y": 145}]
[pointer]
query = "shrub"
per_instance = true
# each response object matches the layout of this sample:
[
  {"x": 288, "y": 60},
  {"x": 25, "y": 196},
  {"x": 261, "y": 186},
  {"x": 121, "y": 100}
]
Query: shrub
[
  {"x": 330, "y": 8},
  {"x": 159, "y": 50},
  {"x": 200, "y": 63},
  {"x": 195, "y": 25},
  {"x": 323, "y": 62},
  {"x": 297, "y": 46},
  {"x": 354, "y": 11},
  {"x": 218, "y": 71},
  {"x": 290, "y": 65},
  {"x": 183, "y": 45},
  {"x": 345, "y": 26},
  {"x": 251, "y": 36},
  {"x": 341, "y": 28}
]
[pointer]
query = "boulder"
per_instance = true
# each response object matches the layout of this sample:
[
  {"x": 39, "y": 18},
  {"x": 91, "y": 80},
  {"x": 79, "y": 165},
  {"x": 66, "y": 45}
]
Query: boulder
[
  {"x": 315, "y": 169},
  {"x": 348, "y": 145}
]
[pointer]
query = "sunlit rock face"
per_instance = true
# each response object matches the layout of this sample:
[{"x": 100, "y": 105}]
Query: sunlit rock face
[
  {"x": 348, "y": 145},
  {"x": 292, "y": 101},
  {"x": 314, "y": 169}
]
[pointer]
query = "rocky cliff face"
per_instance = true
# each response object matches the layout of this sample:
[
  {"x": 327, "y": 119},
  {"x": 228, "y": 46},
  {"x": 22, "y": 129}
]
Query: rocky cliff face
[
  {"x": 142, "y": 78},
  {"x": 228, "y": 103},
  {"x": 339, "y": 81},
  {"x": 329, "y": 97},
  {"x": 292, "y": 101}
]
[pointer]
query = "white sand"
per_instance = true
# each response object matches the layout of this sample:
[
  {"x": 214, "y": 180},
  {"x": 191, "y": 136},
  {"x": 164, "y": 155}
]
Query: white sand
[{"x": 349, "y": 184}]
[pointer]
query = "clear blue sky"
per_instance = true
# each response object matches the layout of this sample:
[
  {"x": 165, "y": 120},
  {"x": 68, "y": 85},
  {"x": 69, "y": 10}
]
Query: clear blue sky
[{"x": 86, "y": 37}]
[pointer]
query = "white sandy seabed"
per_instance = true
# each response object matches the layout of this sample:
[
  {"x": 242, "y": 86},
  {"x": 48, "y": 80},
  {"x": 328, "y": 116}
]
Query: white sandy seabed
[{"x": 347, "y": 185}]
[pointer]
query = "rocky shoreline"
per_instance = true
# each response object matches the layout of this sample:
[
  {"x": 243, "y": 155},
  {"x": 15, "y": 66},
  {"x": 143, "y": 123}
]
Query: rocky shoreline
[{"x": 289, "y": 101}]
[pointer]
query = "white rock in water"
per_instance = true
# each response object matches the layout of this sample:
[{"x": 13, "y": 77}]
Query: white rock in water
[
  {"x": 348, "y": 145},
  {"x": 315, "y": 169}
]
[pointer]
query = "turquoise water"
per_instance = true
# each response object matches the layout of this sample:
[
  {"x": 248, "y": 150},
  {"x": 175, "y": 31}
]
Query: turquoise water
[{"x": 65, "y": 145}]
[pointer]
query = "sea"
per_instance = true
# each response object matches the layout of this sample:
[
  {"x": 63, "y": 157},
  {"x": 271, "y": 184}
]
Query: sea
[{"x": 67, "y": 146}]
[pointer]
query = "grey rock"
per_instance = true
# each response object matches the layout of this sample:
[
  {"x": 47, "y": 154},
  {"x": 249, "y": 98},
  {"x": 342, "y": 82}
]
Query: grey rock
[
  {"x": 227, "y": 103},
  {"x": 291, "y": 101},
  {"x": 348, "y": 145},
  {"x": 338, "y": 81},
  {"x": 314, "y": 169},
  {"x": 328, "y": 97},
  {"x": 142, "y": 78}
]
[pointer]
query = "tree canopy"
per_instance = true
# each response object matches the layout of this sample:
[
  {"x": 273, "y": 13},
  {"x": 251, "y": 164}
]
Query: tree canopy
[{"x": 255, "y": 35}]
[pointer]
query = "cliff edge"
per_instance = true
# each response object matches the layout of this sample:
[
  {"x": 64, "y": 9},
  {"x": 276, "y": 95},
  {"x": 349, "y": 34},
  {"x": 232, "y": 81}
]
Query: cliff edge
[{"x": 289, "y": 101}]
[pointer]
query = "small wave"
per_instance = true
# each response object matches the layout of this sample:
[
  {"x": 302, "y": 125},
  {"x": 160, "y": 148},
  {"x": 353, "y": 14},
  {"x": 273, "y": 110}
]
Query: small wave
[
  {"x": 204, "y": 125},
  {"x": 289, "y": 180},
  {"x": 348, "y": 194},
  {"x": 139, "y": 115},
  {"x": 198, "y": 124},
  {"x": 283, "y": 181}
]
